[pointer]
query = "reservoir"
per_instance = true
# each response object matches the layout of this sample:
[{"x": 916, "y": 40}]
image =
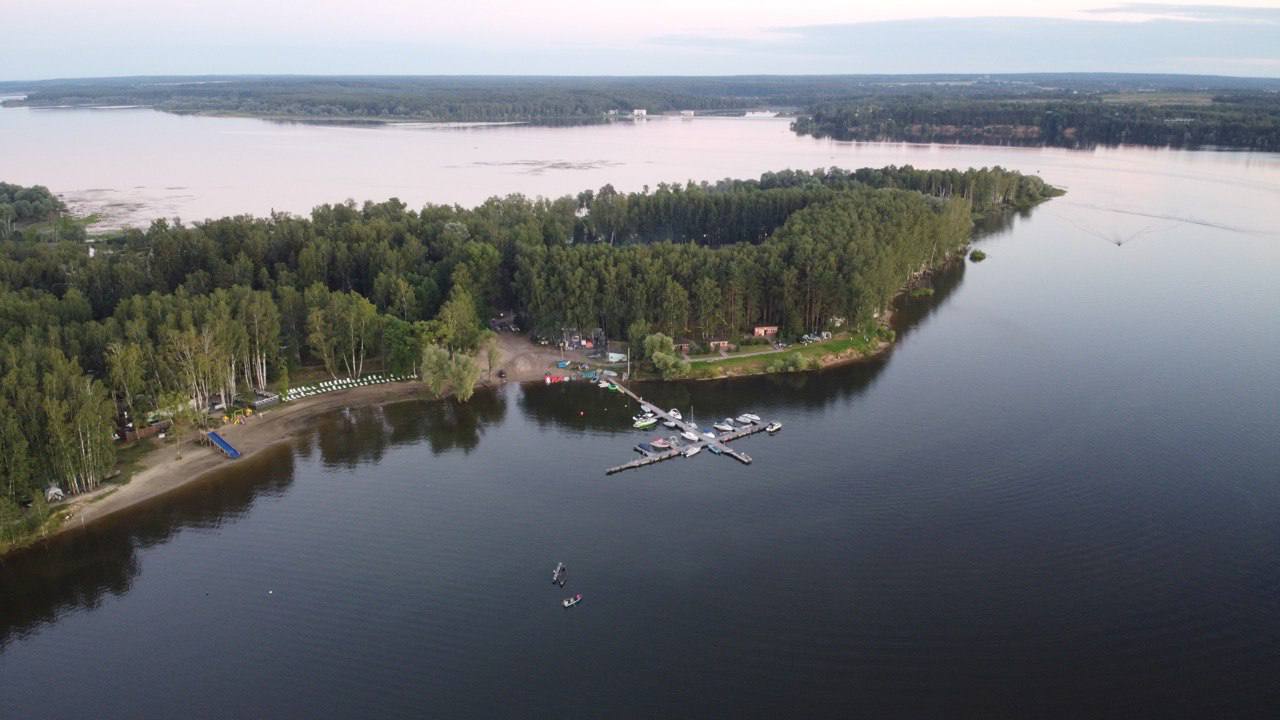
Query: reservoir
[{"x": 1057, "y": 495}]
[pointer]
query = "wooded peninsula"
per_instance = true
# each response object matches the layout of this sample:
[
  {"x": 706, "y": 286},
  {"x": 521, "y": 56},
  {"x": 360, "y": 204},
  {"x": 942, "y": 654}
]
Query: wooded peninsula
[
  {"x": 179, "y": 323},
  {"x": 1076, "y": 110}
]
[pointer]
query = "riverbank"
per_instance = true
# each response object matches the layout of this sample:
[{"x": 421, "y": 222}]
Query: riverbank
[{"x": 162, "y": 470}]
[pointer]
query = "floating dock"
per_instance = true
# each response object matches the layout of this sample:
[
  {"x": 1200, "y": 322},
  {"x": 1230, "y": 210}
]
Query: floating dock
[{"x": 703, "y": 442}]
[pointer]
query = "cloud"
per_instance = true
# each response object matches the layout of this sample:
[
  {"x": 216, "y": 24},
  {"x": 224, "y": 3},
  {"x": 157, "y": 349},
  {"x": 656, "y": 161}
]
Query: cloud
[
  {"x": 1200, "y": 13},
  {"x": 1001, "y": 44}
]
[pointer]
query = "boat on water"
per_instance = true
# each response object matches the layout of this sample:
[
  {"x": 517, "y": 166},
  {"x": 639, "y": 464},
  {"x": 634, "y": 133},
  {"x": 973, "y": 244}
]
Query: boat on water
[
  {"x": 660, "y": 443},
  {"x": 723, "y": 426},
  {"x": 690, "y": 436},
  {"x": 644, "y": 449},
  {"x": 558, "y": 575},
  {"x": 773, "y": 427},
  {"x": 643, "y": 423},
  {"x": 570, "y": 602},
  {"x": 752, "y": 418},
  {"x": 671, "y": 424},
  {"x": 744, "y": 420},
  {"x": 709, "y": 435},
  {"x": 675, "y": 414},
  {"x": 715, "y": 449},
  {"x": 692, "y": 450}
]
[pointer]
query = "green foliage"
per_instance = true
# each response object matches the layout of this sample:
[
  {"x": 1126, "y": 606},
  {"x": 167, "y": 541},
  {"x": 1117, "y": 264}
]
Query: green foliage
[
  {"x": 977, "y": 256},
  {"x": 25, "y": 205},
  {"x": 1237, "y": 120},
  {"x": 179, "y": 317}
]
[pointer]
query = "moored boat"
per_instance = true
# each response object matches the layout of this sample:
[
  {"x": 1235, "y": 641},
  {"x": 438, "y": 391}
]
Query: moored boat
[
  {"x": 675, "y": 414},
  {"x": 660, "y": 443},
  {"x": 723, "y": 426},
  {"x": 751, "y": 417},
  {"x": 773, "y": 427},
  {"x": 671, "y": 424},
  {"x": 744, "y": 420},
  {"x": 570, "y": 602},
  {"x": 715, "y": 449},
  {"x": 692, "y": 450},
  {"x": 690, "y": 436},
  {"x": 643, "y": 423},
  {"x": 558, "y": 575}
]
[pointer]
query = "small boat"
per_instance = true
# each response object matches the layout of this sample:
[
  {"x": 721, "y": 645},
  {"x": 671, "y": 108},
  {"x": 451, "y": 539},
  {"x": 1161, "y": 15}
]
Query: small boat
[
  {"x": 752, "y": 418},
  {"x": 570, "y": 602},
  {"x": 773, "y": 427},
  {"x": 709, "y": 435},
  {"x": 674, "y": 441},
  {"x": 602, "y": 384},
  {"x": 675, "y": 414},
  {"x": 714, "y": 449},
  {"x": 660, "y": 443},
  {"x": 558, "y": 575},
  {"x": 671, "y": 424},
  {"x": 692, "y": 450},
  {"x": 723, "y": 427},
  {"x": 644, "y": 449},
  {"x": 690, "y": 436},
  {"x": 642, "y": 416},
  {"x": 643, "y": 423},
  {"x": 744, "y": 419}
]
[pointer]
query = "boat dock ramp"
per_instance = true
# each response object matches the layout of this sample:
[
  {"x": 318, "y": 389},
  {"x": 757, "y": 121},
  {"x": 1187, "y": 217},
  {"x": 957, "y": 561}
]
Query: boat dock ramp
[{"x": 716, "y": 445}]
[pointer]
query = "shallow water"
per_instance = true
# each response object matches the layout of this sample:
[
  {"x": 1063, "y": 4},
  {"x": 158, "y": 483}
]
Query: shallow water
[{"x": 1056, "y": 496}]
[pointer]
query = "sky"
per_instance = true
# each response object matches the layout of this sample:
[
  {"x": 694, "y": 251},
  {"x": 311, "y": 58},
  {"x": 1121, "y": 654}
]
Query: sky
[{"x": 42, "y": 39}]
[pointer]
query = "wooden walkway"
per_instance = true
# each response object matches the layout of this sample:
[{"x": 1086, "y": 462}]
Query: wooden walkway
[{"x": 718, "y": 443}]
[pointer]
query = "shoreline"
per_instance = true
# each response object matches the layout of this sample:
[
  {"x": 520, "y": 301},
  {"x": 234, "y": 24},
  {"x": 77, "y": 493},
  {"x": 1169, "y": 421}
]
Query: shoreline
[{"x": 163, "y": 471}]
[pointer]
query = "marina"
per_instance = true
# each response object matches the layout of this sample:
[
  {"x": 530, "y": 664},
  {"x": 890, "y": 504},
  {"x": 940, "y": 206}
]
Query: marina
[{"x": 653, "y": 452}]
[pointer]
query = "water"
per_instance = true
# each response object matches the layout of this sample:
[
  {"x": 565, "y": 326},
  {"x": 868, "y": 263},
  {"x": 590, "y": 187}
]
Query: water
[{"x": 1056, "y": 496}]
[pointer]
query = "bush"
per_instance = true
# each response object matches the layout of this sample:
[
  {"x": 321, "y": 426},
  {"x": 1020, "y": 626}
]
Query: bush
[{"x": 977, "y": 256}]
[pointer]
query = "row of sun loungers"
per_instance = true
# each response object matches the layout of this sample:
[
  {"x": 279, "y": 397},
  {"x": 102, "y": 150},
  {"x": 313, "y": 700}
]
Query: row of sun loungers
[{"x": 344, "y": 384}]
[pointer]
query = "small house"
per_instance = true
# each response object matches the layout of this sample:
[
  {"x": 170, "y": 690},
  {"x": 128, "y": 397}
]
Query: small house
[
  {"x": 639, "y": 113},
  {"x": 719, "y": 345},
  {"x": 766, "y": 331}
]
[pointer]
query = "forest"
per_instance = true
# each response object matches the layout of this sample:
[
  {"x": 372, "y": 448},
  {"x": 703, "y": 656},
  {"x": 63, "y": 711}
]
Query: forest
[
  {"x": 176, "y": 320},
  {"x": 1063, "y": 109},
  {"x": 1228, "y": 120},
  {"x": 21, "y": 207}
]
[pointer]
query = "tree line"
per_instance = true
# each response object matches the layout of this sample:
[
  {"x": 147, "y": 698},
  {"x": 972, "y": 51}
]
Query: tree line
[
  {"x": 1087, "y": 108},
  {"x": 1228, "y": 120},
  {"x": 21, "y": 206},
  {"x": 186, "y": 317}
]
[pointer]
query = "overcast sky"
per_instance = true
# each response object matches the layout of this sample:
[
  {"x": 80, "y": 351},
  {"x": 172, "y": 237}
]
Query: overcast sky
[{"x": 79, "y": 38}]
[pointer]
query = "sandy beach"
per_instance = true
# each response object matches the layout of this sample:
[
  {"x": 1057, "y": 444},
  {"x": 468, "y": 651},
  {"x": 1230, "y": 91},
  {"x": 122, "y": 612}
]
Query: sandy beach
[{"x": 164, "y": 471}]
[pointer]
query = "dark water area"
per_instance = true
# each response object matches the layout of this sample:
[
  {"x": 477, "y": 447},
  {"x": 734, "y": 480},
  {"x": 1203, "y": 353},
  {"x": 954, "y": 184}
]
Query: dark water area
[{"x": 1056, "y": 496}]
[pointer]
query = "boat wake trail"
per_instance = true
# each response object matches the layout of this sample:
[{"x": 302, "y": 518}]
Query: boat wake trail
[{"x": 1170, "y": 219}]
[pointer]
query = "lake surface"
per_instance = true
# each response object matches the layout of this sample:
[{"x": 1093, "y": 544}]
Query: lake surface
[{"x": 1059, "y": 495}]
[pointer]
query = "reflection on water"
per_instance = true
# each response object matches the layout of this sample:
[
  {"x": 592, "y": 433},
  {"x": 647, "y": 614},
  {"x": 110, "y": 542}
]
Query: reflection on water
[{"x": 76, "y": 569}]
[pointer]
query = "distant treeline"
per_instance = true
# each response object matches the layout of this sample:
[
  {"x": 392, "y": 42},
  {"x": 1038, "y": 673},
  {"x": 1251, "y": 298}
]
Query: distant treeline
[
  {"x": 1246, "y": 121},
  {"x": 177, "y": 317},
  {"x": 556, "y": 100}
]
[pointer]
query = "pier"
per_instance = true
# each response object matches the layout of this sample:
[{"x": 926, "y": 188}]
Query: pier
[{"x": 719, "y": 442}]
